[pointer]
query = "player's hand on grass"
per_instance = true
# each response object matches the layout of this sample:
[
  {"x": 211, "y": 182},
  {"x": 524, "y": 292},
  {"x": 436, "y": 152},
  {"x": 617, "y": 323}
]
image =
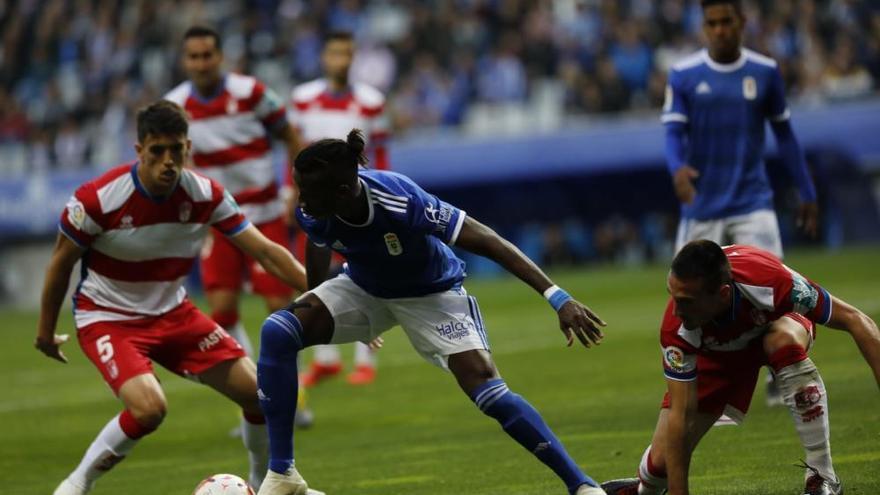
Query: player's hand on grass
[
  {"x": 808, "y": 218},
  {"x": 52, "y": 347},
  {"x": 683, "y": 181},
  {"x": 578, "y": 321}
]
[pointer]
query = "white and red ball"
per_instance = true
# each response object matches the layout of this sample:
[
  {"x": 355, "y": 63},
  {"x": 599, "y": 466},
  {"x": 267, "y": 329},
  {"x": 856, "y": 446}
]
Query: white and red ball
[{"x": 223, "y": 484}]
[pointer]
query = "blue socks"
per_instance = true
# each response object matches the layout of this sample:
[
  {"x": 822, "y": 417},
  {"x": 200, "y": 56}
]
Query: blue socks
[
  {"x": 522, "y": 422},
  {"x": 281, "y": 338}
]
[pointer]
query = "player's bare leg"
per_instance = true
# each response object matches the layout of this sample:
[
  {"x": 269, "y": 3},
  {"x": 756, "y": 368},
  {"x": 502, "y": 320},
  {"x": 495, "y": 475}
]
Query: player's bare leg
[
  {"x": 479, "y": 379},
  {"x": 652, "y": 478},
  {"x": 284, "y": 334},
  {"x": 237, "y": 380},
  {"x": 803, "y": 391},
  {"x": 145, "y": 408}
]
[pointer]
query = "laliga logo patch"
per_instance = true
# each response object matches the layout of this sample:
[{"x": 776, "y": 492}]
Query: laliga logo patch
[
  {"x": 77, "y": 214},
  {"x": 393, "y": 244},
  {"x": 674, "y": 358},
  {"x": 750, "y": 88},
  {"x": 186, "y": 209}
]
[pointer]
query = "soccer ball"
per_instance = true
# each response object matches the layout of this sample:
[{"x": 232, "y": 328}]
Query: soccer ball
[{"x": 223, "y": 484}]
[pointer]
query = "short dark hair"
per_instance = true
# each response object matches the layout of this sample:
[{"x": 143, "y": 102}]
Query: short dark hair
[
  {"x": 161, "y": 118},
  {"x": 737, "y": 4},
  {"x": 202, "y": 32},
  {"x": 338, "y": 36},
  {"x": 704, "y": 260},
  {"x": 337, "y": 158}
]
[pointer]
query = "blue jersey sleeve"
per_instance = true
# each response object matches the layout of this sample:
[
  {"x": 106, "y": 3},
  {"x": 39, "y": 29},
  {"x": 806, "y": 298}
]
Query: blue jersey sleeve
[
  {"x": 776, "y": 106},
  {"x": 312, "y": 227},
  {"x": 675, "y": 106},
  {"x": 431, "y": 215}
]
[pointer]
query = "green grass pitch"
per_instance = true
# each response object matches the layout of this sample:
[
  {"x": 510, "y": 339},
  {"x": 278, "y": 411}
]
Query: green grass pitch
[{"x": 413, "y": 432}]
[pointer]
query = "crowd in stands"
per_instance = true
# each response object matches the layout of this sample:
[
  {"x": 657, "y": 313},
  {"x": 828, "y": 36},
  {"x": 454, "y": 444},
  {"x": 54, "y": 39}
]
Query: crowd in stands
[{"x": 72, "y": 72}]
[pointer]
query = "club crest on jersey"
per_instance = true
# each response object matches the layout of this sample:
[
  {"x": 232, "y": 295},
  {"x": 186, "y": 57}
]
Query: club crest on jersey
[
  {"x": 750, "y": 88},
  {"x": 393, "y": 244},
  {"x": 231, "y": 106},
  {"x": 185, "y": 211},
  {"x": 127, "y": 222}
]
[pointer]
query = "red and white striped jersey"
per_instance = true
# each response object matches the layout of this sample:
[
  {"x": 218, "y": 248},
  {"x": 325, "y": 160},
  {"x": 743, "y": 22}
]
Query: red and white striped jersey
[
  {"x": 318, "y": 113},
  {"x": 231, "y": 139},
  {"x": 140, "y": 248}
]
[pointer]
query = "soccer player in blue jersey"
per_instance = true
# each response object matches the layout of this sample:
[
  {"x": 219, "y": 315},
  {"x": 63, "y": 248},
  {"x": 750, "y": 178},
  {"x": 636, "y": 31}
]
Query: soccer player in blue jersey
[
  {"x": 717, "y": 103},
  {"x": 400, "y": 271}
]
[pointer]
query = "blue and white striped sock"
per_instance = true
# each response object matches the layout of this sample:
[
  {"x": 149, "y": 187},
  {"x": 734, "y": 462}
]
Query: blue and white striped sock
[
  {"x": 281, "y": 338},
  {"x": 522, "y": 422}
]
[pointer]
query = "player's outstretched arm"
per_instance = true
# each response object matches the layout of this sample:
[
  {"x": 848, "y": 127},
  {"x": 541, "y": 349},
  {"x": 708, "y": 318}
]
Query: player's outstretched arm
[
  {"x": 575, "y": 319},
  {"x": 682, "y": 413},
  {"x": 64, "y": 258},
  {"x": 792, "y": 156},
  {"x": 863, "y": 330},
  {"x": 276, "y": 259}
]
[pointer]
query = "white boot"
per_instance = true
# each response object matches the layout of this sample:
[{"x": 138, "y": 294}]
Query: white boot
[
  {"x": 589, "y": 490},
  {"x": 69, "y": 488},
  {"x": 289, "y": 483}
]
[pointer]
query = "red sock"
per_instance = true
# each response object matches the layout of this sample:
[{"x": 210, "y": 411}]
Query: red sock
[{"x": 131, "y": 427}]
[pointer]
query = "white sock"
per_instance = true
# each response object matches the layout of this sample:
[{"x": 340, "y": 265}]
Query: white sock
[
  {"x": 649, "y": 484},
  {"x": 804, "y": 393},
  {"x": 327, "y": 354},
  {"x": 107, "y": 450},
  {"x": 256, "y": 440},
  {"x": 363, "y": 355},
  {"x": 240, "y": 335}
]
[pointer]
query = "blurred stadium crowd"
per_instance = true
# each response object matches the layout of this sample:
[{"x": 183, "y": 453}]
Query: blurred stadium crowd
[{"x": 72, "y": 71}]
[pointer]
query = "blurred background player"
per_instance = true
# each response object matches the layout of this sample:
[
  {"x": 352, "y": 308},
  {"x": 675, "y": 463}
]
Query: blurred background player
[
  {"x": 138, "y": 229},
  {"x": 717, "y": 103},
  {"x": 234, "y": 118},
  {"x": 330, "y": 107},
  {"x": 400, "y": 270},
  {"x": 731, "y": 311}
]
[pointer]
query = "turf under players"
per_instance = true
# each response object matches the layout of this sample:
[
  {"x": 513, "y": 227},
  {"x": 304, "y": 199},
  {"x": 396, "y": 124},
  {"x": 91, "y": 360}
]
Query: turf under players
[
  {"x": 400, "y": 270},
  {"x": 137, "y": 230},
  {"x": 732, "y": 310}
]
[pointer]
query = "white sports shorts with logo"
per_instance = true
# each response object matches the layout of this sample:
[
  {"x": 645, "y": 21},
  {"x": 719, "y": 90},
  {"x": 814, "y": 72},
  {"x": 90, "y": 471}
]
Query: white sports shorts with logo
[
  {"x": 759, "y": 228},
  {"x": 437, "y": 325}
]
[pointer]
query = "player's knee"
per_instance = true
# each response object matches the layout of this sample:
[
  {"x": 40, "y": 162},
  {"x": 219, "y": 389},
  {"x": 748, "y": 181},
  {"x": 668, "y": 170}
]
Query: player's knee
[
  {"x": 781, "y": 336},
  {"x": 281, "y": 335},
  {"x": 150, "y": 412}
]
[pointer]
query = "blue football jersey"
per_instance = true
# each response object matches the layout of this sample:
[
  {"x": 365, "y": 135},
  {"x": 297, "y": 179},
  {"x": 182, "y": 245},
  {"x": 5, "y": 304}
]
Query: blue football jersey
[
  {"x": 724, "y": 108},
  {"x": 402, "y": 250}
]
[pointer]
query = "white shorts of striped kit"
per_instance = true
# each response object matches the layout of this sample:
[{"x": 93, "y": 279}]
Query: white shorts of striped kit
[{"x": 437, "y": 325}]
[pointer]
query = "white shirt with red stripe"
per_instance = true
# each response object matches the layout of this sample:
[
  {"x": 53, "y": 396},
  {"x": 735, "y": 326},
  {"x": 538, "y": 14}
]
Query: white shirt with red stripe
[
  {"x": 231, "y": 137},
  {"x": 319, "y": 113},
  {"x": 140, "y": 248}
]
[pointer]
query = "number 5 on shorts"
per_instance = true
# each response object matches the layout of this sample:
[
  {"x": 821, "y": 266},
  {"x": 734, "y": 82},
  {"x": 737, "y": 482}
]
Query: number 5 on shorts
[{"x": 105, "y": 348}]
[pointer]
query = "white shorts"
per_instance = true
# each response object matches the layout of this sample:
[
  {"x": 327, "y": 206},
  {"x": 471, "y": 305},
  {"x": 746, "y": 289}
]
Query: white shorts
[
  {"x": 758, "y": 228},
  {"x": 437, "y": 325}
]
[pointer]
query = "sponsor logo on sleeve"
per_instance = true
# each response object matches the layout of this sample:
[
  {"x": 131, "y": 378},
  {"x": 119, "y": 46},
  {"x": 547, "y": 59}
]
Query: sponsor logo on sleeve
[
  {"x": 440, "y": 217},
  {"x": 804, "y": 297},
  {"x": 676, "y": 360}
]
